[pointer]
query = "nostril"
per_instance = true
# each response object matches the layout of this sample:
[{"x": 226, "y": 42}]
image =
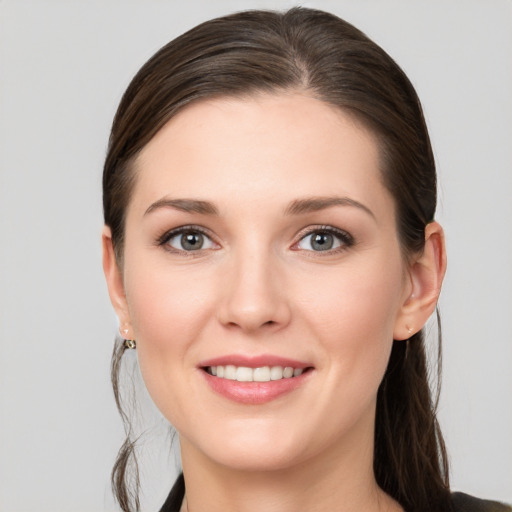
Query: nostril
[{"x": 268, "y": 323}]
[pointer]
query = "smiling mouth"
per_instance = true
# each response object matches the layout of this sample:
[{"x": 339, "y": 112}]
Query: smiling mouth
[{"x": 261, "y": 374}]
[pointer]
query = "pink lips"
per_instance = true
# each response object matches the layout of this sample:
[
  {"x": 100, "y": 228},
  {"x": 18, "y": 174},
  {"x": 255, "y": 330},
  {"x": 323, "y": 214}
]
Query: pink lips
[{"x": 254, "y": 393}]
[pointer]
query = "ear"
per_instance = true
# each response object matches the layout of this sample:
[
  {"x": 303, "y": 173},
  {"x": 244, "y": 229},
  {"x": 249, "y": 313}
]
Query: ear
[
  {"x": 426, "y": 274},
  {"x": 115, "y": 285}
]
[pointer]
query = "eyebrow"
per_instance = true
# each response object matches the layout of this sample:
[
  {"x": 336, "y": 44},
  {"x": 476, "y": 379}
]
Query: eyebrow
[
  {"x": 184, "y": 205},
  {"x": 315, "y": 204},
  {"x": 296, "y": 207}
]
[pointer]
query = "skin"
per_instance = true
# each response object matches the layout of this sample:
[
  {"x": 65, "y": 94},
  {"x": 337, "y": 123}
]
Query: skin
[{"x": 258, "y": 287}]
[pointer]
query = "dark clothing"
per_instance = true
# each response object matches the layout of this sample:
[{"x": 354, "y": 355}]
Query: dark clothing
[
  {"x": 461, "y": 502},
  {"x": 464, "y": 503},
  {"x": 175, "y": 498}
]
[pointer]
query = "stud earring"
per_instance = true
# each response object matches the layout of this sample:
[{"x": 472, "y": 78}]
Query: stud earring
[{"x": 130, "y": 344}]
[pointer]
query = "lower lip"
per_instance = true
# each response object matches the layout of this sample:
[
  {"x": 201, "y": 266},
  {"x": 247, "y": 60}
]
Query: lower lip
[{"x": 254, "y": 393}]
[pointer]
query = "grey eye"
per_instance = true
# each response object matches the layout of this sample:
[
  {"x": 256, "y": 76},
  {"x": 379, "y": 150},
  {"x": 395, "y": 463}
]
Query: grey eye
[
  {"x": 190, "y": 241},
  {"x": 320, "y": 241}
]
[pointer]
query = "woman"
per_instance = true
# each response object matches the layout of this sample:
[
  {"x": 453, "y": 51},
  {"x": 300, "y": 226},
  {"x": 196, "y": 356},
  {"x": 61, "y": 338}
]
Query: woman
[{"x": 271, "y": 251}]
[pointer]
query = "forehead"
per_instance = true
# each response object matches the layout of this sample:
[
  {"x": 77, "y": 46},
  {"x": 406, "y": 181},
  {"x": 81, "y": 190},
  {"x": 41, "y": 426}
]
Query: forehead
[{"x": 277, "y": 146}]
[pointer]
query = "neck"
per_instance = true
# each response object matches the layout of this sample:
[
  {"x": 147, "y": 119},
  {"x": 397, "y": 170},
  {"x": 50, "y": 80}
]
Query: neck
[{"x": 340, "y": 480}]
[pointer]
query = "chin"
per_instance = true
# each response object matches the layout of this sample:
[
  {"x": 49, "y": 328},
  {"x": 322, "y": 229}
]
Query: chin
[
  {"x": 256, "y": 460},
  {"x": 254, "y": 449}
]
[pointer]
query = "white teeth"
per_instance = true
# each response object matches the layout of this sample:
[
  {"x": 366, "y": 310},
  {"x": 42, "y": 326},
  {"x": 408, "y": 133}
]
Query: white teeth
[
  {"x": 276, "y": 373},
  {"x": 230, "y": 372},
  {"x": 244, "y": 374},
  {"x": 263, "y": 374},
  {"x": 288, "y": 372}
]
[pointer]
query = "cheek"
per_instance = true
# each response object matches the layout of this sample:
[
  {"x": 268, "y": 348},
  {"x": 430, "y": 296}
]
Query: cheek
[
  {"x": 165, "y": 303},
  {"x": 168, "y": 310},
  {"x": 356, "y": 300},
  {"x": 355, "y": 318}
]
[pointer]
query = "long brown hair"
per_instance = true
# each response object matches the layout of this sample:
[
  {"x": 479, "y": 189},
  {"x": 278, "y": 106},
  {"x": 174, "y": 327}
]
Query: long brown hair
[{"x": 326, "y": 57}]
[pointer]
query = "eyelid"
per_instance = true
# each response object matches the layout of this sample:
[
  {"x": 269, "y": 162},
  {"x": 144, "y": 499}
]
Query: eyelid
[
  {"x": 164, "y": 238},
  {"x": 346, "y": 239}
]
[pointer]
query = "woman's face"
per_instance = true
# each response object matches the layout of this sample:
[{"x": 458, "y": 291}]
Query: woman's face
[{"x": 260, "y": 235}]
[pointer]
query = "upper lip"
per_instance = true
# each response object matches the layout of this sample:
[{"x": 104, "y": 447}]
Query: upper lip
[{"x": 254, "y": 361}]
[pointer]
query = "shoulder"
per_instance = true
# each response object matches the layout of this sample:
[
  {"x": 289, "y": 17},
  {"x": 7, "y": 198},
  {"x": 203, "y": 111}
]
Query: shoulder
[{"x": 465, "y": 503}]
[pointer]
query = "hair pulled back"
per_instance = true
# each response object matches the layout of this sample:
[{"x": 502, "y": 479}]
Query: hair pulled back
[{"x": 321, "y": 55}]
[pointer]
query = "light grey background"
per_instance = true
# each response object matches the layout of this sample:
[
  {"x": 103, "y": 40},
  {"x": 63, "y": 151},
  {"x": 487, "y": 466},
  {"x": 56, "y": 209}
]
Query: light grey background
[{"x": 63, "y": 67}]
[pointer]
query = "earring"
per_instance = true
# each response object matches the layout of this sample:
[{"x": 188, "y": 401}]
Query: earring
[{"x": 131, "y": 344}]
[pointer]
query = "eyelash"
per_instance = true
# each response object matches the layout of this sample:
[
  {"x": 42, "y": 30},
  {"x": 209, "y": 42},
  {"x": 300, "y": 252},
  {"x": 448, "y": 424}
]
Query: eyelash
[
  {"x": 164, "y": 239},
  {"x": 346, "y": 239}
]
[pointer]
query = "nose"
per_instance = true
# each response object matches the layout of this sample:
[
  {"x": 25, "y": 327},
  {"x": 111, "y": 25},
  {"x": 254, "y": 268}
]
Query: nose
[{"x": 254, "y": 297}]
